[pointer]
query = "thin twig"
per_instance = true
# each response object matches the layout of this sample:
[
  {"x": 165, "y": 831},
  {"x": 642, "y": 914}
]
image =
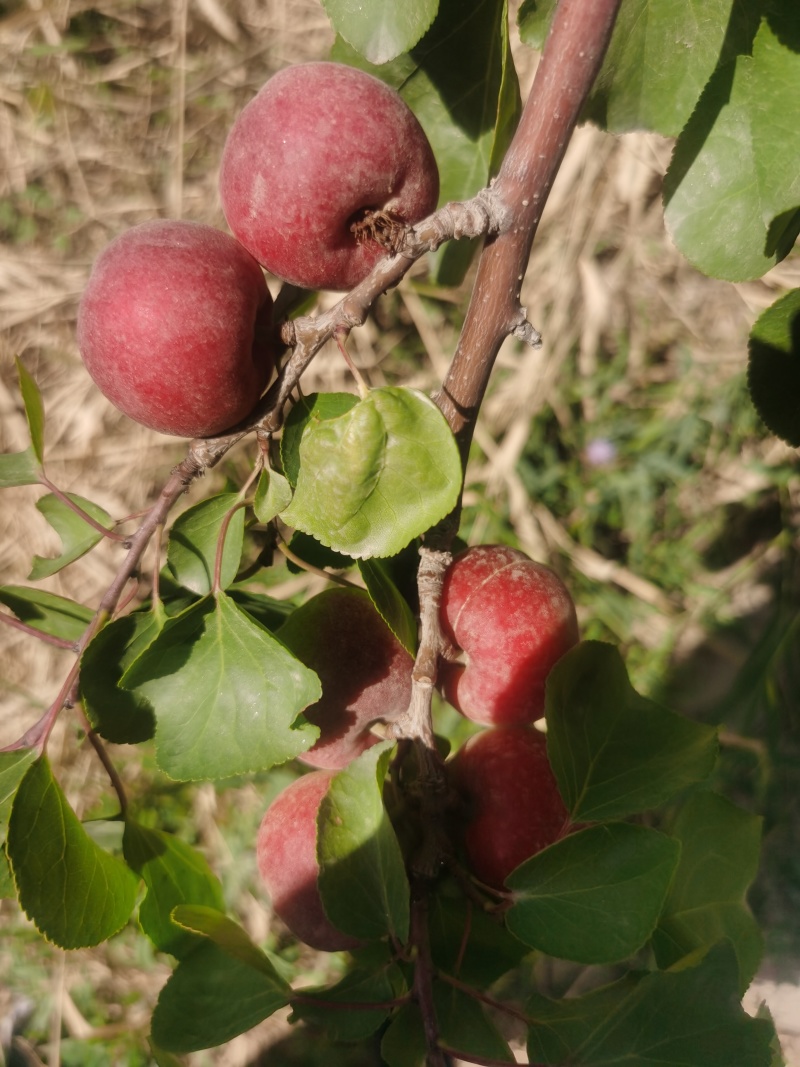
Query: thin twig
[
  {"x": 304, "y": 565},
  {"x": 109, "y": 768},
  {"x": 476, "y": 994},
  {"x": 430, "y": 788},
  {"x": 349, "y": 1005},
  {"x": 423, "y": 976},
  {"x": 50, "y": 639},
  {"x": 112, "y": 535},
  {"x": 218, "y": 558},
  {"x": 484, "y": 214},
  {"x": 181, "y": 477}
]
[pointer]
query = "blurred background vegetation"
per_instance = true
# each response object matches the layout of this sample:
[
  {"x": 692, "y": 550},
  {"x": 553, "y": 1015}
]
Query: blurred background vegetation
[{"x": 625, "y": 453}]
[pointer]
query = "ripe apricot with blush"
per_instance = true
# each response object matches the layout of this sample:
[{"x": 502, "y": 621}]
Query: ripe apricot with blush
[
  {"x": 512, "y": 808},
  {"x": 513, "y": 619},
  {"x": 286, "y": 851},
  {"x": 318, "y": 149},
  {"x": 174, "y": 327}
]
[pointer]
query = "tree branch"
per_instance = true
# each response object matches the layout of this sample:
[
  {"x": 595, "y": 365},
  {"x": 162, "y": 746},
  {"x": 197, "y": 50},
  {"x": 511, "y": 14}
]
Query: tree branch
[
  {"x": 50, "y": 639},
  {"x": 181, "y": 477},
  {"x": 572, "y": 57}
]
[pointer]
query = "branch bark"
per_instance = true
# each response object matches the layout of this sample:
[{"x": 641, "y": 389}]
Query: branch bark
[{"x": 572, "y": 57}]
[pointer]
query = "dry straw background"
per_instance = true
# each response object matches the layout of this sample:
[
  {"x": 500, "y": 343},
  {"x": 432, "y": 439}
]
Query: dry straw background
[{"x": 115, "y": 111}]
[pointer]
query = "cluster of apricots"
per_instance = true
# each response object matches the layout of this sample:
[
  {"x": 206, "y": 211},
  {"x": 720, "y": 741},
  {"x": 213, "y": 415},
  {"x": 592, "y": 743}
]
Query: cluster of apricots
[
  {"x": 176, "y": 329},
  {"x": 509, "y": 620}
]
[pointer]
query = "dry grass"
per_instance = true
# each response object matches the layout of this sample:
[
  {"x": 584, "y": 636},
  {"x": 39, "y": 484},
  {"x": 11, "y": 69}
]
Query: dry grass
[{"x": 115, "y": 112}]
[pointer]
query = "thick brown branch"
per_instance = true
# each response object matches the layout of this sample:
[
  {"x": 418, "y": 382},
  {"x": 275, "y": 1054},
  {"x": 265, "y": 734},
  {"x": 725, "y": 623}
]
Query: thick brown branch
[{"x": 572, "y": 57}]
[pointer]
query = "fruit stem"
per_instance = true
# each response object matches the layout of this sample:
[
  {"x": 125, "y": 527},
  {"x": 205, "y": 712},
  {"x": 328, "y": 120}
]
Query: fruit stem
[{"x": 340, "y": 335}]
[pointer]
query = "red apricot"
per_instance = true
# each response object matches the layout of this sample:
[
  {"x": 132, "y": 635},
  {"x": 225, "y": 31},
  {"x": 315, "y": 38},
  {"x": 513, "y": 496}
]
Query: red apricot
[
  {"x": 320, "y": 147},
  {"x": 512, "y": 806},
  {"x": 174, "y": 328},
  {"x": 513, "y": 619},
  {"x": 286, "y": 851}
]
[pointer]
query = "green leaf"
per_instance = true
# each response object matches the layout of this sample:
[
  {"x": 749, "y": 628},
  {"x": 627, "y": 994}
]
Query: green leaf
[
  {"x": 76, "y": 894},
  {"x": 533, "y": 19},
  {"x": 707, "y": 900},
  {"x": 468, "y": 109},
  {"x": 775, "y": 1044},
  {"x": 225, "y": 694},
  {"x": 383, "y": 29},
  {"x": 211, "y": 923},
  {"x": 266, "y": 611},
  {"x": 23, "y": 468},
  {"x": 389, "y": 603},
  {"x": 13, "y": 768},
  {"x": 115, "y": 713},
  {"x": 596, "y": 895},
  {"x": 613, "y": 751},
  {"x": 212, "y": 997},
  {"x": 468, "y": 943},
  {"x": 312, "y": 551},
  {"x": 77, "y": 536},
  {"x": 311, "y": 409},
  {"x": 357, "y": 987},
  {"x": 7, "y": 891},
  {"x": 193, "y": 541},
  {"x": 403, "y": 1043},
  {"x": 773, "y": 374},
  {"x": 732, "y": 191},
  {"x": 18, "y": 468},
  {"x": 362, "y": 878},
  {"x": 162, "y": 1058},
  {"x": 273, "y": 494},
  {"x": 174, "y": 873},
  {"x": 174, "y": 598},
  {"x": 691, "y": 1017},
  {"x": 462, "y": 1025},
  {"x": 633, "y": 91},
  {"x": 509, "y": 104},
  {"x": 47, "y": 612},
  {"x": 34, "y": 409},
  {"x": 373, "y": 479}
]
